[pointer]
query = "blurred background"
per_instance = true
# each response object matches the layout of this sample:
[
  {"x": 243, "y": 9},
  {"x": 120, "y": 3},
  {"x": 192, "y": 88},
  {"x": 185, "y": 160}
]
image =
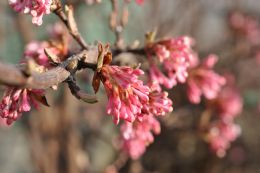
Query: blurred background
[{"x": 73, "y": 137}]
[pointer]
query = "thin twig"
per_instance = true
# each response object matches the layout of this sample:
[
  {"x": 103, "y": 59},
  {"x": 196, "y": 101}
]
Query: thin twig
[{"x": 70, "y": 23}]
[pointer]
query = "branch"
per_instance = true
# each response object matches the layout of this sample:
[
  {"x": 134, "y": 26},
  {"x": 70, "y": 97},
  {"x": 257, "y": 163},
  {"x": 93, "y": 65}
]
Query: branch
[
  {"x": 70, "y": 23},
  {"x": 78, "y": 93},
  {"x": 138, "y": 51},
  {"x": 118, "y": 26},
  {"x": 14, "y": 76}
]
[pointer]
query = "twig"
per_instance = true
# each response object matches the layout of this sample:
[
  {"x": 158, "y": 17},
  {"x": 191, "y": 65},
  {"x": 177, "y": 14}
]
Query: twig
[
  {"x": 14, "y": 76},
  {"x": 78, "y": 93},
  {"x": 138, "y": 51},
  {"x": 70, "y": 23},
  {"x": 116, "y": 26}
]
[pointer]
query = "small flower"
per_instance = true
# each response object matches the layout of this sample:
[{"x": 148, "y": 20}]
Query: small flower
[
  {"x": 139, "y": 2},
  {"x": 203, "y": 80},
  {"x": 35, "y": 50},
  {"x": 90, "y": 2},
  {"x": 246, "y": 26},
  {"x": 175, "y": 56},
  {"x": 128, "y": 98},
  {"x": 16, "y": 101},
  {"x": 221, "y": 134},
  {"x": 228, "y": 104},
  {"x": 159, "y": 103},
  {"x": 137, "y": 136},
  {"x": 37, "y": 8},
  {"x": 126, "y": 93},
  {"x": 156, "y": 77}
]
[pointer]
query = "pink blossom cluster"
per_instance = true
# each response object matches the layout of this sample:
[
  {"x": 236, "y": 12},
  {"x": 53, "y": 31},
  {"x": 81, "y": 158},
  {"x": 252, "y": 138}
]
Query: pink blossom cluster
[
  {"x": 221, "y": 134},
  {"x": 90, "y": 2},
  {"x": 37, "y": 8},
  {"x": 128, "y": 98},
  {"x": 257, "y": 57},
  {"x": 58, "y": 46},
  {"x": 203, "y": 80},
  {"x": 16, "y": 101},
  {"x": 175, "y": 56},
  {"x": 139, "y": 2},
  {"x": 247, "y": 26},
  {"x": 227, "y": 105},
  {"x": 126, "y": 93},
  {"x": 138, "y": 135},
  {"x": 35, "y": 50}
]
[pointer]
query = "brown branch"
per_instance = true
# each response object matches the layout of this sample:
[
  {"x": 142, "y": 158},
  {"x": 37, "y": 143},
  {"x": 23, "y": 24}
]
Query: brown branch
[
  {"x": 78, "y": 93},
  {"x": 70, "y": 23},
  {"x": 137, "y": 51},
  {"x": 116, "y": 26},
  {"x": 14, "y": 76}
]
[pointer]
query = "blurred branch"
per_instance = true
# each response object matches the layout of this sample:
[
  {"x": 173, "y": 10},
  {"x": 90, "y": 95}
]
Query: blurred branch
[{"x": 117, "y": 24}]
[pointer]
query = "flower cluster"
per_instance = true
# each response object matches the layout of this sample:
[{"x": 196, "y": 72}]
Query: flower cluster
[
  {"x": 247, "y": 26},
  {"x": 128, "y": 97},
  {"x": 221, "y": 134},
  {"x": 57, "y": 46},
  {"x": 227, "y": 105},
  {"x": 16, "y": 101},
  {"x": 90, "y": 2},
  {"x": 35, "y": 50},
  {"x": 131, "y": 100},
  {"x": 203, "y": 80},
  {"x": 37, "y": 8},
  {"x": 175, "y": 56},
  {"x": 126, "y": 93},
  {"x": 139, "y": 2},
  {"x": 138, "y": 135}
]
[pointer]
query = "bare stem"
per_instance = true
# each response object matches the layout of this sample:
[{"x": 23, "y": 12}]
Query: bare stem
[{"x": 70, "y": 23}]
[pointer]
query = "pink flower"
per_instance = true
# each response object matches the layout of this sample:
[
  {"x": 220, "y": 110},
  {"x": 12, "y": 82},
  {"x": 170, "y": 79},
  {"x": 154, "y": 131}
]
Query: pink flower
[
  {"x": 159, "y": 103},
  {"x": 203, "y": 80},
  {"x": 35, "y": 50},
  {"x": 221, "y": 134},
  {"x": 139, "y": 2},
  {"x": 128, "y": 97},
  {"x": 228, "y": 103},
  {"x": 156, "y": 77},
  {"x": 258, "y": 107},
  {"x": 175, "y": 55},
  {"x": 138, "y": 135},
  {"x": 247, "y": 26},
  {"x": 90, "y": 2},
  {"x": 257, "y": 57},
  {"x": 37, "y": 8},
  {"x": 16, "y": 101},
  {"x": 126, "y": 93}
]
